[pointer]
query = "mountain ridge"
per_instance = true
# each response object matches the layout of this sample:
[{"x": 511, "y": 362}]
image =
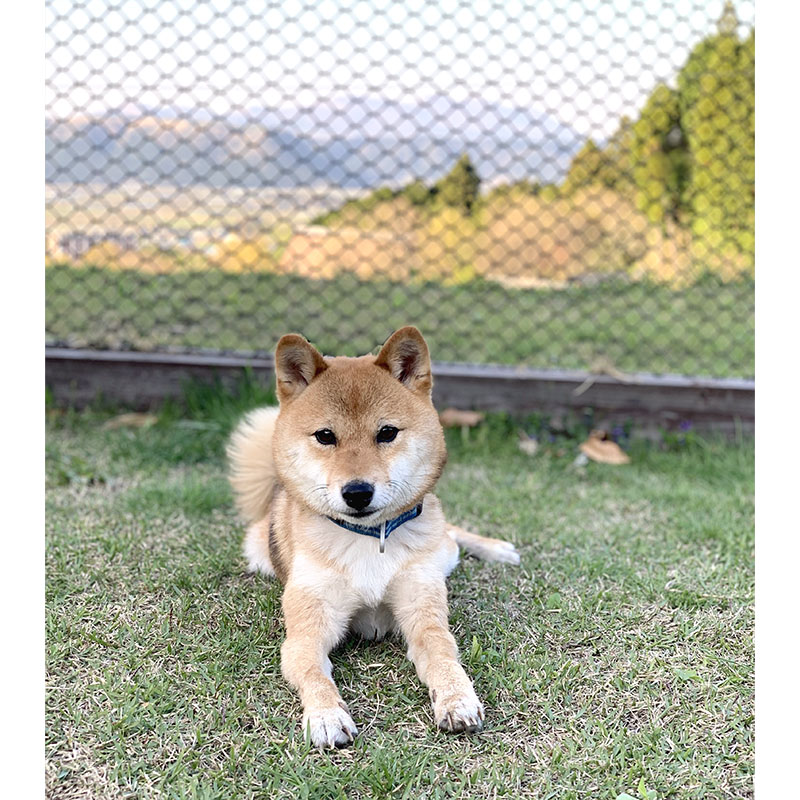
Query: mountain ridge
[{"x": 357, "y": 142}]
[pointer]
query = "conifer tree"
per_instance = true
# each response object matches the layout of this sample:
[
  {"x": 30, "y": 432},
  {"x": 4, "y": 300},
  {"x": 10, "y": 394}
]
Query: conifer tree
[
  {"x": 586, "y": 167},
  {"x": 659, "y": 157},
  {"x": 716, "y": 91},
  {"x": 460, "y": 187}
]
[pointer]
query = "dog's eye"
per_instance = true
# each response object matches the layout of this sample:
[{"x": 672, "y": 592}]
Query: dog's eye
[
  {"x": 325, "y": 436},
  {"x": 387, "y": 433}
]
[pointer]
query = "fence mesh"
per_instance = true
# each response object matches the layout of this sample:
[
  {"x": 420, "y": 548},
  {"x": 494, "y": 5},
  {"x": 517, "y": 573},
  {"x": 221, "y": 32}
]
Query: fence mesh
[{"x": 554, "y": 184}]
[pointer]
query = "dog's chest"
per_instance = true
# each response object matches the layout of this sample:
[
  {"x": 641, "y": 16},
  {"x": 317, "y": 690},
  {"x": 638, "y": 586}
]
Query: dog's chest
[
  {"x": 350, "y": 566},
  {"x": 369, "y": 572}
]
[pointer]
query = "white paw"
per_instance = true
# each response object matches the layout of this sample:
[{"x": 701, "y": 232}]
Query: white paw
[
  {"x": 329, "y": 727},
  {"x": 457, "y": 711},
  {"x": 506, "y": 553}
]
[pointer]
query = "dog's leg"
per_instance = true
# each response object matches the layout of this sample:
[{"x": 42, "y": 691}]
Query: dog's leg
[
  {"x": 256, "y": 548},
  {"x": 313, "y": 628},
  {"x": 482, "y": 546},
  {"x": 419, "y": 602}
]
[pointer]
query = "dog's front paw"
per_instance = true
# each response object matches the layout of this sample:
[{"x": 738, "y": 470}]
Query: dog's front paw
[
  {"x": 329, "y": 727},
  {"x": 457, "y": 711}
]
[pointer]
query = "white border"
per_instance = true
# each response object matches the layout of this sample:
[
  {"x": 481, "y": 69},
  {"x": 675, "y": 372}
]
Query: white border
[
  {"x": 777, "y": 341},
  {"x": 21, "y": 464},
  {"x": 778, "y": 265}
]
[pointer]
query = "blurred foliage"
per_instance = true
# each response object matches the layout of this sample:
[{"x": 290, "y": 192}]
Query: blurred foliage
[
  {"x": 459, "y": 189},
  {"x": 716, "y": 91},
  {"x": 669, "y": 196}
]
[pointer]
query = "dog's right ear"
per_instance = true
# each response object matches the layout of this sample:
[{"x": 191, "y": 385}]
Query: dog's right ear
[{"x": 297, "y": 363}]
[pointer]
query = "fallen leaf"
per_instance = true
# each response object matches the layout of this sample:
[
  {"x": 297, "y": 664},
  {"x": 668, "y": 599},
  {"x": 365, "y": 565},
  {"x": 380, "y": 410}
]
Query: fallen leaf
[
  {"x": 603, "y": 450},
  {"x": 132, "y": 420},
  {"x": 600, "y": 366},
  {"x": 455, "y": 417}
]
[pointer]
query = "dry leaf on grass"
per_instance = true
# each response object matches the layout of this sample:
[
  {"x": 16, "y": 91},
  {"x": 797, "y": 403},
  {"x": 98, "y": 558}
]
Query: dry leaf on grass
[
  {"x": 603, "y": 450},
  {"x": 455, "y": 418},
  {"x": 133, "y": 420}
]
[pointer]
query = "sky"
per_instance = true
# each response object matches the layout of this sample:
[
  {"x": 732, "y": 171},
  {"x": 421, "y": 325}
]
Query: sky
[{"x": 585, "y": 63}]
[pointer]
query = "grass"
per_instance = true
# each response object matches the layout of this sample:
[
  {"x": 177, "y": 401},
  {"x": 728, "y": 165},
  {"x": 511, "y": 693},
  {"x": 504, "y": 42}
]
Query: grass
[
  {"x": 704, "y": 329},
  {"x": 617, "y": 658}
]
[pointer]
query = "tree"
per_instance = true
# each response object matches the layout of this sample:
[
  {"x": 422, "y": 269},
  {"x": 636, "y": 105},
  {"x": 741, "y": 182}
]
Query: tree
[
  {"x": 618, "y": 168},
  {"x": 460, "y": 187},
  {"x": 728, "y": 21},
  {"x": 586, "y": 167},
  {"x": 417, "y": 193},
  {"x": 716, "y": 91},
  {"x": 609, "y": 166},
  {"x": 659, "y": 157}
]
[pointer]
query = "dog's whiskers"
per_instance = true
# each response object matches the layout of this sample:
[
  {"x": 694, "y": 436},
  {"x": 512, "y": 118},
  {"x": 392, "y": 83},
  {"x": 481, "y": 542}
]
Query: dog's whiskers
[{"x": 402, "y": 491}]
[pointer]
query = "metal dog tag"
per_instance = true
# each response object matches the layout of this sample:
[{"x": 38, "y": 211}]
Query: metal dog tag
[{"x": 383, "y": 536}]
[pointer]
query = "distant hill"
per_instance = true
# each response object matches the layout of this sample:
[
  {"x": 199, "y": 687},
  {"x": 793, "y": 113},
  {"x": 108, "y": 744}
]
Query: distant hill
[{"x": 347, "y": 142}]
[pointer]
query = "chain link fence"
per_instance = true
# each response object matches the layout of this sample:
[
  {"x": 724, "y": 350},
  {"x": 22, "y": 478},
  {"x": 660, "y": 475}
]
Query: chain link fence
[{"x": 551, "y": 184}]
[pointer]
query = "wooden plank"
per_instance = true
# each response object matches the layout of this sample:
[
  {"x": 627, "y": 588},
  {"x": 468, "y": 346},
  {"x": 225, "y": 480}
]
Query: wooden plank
[{"x": 142, "y": 380}]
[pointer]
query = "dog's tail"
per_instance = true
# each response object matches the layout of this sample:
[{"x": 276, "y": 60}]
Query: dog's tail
[
  {"x": 252, "y": 469},
  {"x": 482, "y": 546}
]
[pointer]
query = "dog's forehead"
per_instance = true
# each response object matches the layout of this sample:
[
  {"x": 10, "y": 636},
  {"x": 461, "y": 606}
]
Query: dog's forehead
[{"x": 358, "y": 392}]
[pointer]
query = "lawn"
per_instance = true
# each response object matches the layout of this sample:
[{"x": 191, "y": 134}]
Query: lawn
[
  {"x": 617, "y": 659},
  {"x": 703, "y": 329}
]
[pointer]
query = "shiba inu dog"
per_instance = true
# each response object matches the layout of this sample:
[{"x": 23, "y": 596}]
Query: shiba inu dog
[{"x": 336, "y": 485}]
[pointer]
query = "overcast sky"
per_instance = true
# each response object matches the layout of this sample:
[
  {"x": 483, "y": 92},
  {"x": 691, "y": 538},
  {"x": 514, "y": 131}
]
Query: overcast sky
[{"x": 586, "y": 63}]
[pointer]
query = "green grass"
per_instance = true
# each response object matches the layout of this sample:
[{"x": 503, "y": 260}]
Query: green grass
[
  {"x": 617, "y": 658},
  {"x": 704, "y": 329}
]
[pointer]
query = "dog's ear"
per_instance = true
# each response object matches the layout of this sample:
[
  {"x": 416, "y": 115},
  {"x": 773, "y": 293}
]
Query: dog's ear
[
  {"x": 297, "y": 363},
  {"x": 405, "y": 355}
]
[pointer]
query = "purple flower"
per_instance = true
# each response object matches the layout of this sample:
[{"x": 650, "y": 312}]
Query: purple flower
[{"x": 685, "y": 425}]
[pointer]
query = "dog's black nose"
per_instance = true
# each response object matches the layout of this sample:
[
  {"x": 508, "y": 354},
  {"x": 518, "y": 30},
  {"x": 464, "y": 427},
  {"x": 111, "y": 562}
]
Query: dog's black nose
[{"x": 358, "y": 494}]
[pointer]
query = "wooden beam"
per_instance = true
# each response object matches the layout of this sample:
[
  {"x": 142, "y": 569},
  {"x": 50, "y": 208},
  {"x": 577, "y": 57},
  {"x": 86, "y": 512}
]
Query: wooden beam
[{"x": 142, "y": 380}]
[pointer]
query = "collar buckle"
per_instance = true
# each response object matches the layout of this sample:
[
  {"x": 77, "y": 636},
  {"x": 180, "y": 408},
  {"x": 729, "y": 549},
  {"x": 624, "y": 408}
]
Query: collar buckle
[{"x": 383, "y": 536}]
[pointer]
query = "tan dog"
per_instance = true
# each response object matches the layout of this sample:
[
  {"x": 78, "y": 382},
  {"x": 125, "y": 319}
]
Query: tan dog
[{"x": 336, "y": 485}]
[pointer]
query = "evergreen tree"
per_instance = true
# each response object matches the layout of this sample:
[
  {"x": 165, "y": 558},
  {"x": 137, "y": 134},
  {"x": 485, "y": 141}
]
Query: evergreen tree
[
  {"x": 586, "y": 167},
  {"x": 460, "y": 187},
  {"x": 618, "y": 167},
  {"x": 659, "y": 157},
  {"x": 716, "y": 91},
  {"x": 609, "y": 166},
  {"x": 417, "y": 193},
  {"x": 728, "y": 21}
]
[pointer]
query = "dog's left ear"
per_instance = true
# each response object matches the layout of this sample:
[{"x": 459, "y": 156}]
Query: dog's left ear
[{"x": 405, "y": 355}]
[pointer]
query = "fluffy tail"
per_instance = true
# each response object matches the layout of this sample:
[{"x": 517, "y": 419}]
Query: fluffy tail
[
  {"x": 482, "y": 546},
  {"x": 252, "y": 470}
]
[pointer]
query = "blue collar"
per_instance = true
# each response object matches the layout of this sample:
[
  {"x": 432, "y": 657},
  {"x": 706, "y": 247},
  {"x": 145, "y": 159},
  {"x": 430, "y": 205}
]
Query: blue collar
[{"x": 383, "y": 530}]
